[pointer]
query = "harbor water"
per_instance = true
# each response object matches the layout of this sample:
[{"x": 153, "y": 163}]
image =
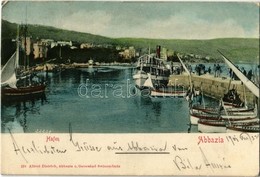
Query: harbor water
[{"x": 97, "y": 100}]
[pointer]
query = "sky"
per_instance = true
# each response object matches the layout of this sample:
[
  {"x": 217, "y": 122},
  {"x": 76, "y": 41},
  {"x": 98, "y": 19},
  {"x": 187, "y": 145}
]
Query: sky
[{"x": 161, "y": 20}]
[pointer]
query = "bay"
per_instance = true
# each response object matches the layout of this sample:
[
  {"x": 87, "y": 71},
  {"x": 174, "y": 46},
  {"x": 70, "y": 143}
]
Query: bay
[{"x": 97, "y": 100}]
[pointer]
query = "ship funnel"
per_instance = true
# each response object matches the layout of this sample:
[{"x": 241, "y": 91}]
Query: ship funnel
[{"x": 158, "y": 51}]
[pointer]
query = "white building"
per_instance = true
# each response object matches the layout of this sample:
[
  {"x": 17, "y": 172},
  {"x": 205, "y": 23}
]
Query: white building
[
  {"x": 64, "y": 43},
  {"x": 40, "y": 49}
]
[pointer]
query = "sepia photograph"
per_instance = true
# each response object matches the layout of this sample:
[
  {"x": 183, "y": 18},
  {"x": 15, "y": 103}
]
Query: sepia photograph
[{"x": 105, "y": 87}]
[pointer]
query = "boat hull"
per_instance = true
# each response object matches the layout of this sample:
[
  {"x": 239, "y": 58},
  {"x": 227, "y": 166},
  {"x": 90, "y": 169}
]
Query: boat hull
[
  {"x": 194, "y": 118},
  {"x": 139, "y": 79},
  {"x": 23, "y": 93},
  {"x": 160, "y": 81},
  {"x": 241, "y": 129},
  {"x": 231, "y": 105},
  {"x": 210, "y": 110},
  {"x": 159, "y": 93},
  {"x": 221, "y": 126},
  {"x": 212, "y": 126}
]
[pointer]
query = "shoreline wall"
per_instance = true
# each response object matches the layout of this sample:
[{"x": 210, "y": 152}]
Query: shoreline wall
[{"x": 213, "y": 87}]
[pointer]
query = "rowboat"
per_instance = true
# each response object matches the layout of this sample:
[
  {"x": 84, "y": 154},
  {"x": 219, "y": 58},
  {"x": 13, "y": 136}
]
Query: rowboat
[
  {"x": 195, "y": 117},
  {"x": 211, "y": 110},
  {"x": 220, "y": 126},
  {"x": 240, "y": 129},
  {"x": 168, "y": 92}
]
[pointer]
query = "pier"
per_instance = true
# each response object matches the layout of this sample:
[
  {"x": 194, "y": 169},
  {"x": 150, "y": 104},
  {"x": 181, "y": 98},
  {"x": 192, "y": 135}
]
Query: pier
[{"x": 211, "y": 86}]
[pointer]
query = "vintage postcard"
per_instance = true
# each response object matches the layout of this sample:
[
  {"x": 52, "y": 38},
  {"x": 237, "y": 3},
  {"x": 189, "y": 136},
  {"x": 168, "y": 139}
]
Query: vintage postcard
[{"x": 130, "y": 88}]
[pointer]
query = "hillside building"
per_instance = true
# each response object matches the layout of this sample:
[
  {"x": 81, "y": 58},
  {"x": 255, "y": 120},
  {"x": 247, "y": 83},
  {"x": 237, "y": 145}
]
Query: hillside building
[
  {"x": 128, "y": 53},
  {"x": 64, "y": 43},
  {"x": 86, "y": 45},
  {"x": 40, "y": 49}
]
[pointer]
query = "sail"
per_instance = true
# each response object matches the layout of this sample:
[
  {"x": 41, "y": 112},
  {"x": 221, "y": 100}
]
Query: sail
[
  {"x": 185, "y": 68},
  {"x": 8, "y": 76},
  {"x": 148, "y": 82},
  {"x": 249, "y": 84}
]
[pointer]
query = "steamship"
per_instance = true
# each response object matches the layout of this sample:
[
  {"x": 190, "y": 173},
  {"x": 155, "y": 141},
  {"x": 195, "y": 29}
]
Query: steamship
[{"x": 154, "y": 65}]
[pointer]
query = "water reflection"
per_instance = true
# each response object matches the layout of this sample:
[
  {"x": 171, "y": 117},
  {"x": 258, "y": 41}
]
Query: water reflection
[
  {"x": 132, "y": 112},
  {"x": 156, "y": 107},
  {"x": 16, "y": 113}
]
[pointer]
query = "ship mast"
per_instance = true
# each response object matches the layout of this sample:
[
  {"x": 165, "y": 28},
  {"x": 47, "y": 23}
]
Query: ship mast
[
  {"x": 17, "y": 48},
  {"x": 24, "y": 33},
  {"x": 25, "y": 46}
]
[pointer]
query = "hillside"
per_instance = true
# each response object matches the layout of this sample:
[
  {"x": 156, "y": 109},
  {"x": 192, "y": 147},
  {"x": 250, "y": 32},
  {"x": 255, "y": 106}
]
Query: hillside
[
  {"x": 47, "y": 32},
  {"x": 237, "y": 49}
]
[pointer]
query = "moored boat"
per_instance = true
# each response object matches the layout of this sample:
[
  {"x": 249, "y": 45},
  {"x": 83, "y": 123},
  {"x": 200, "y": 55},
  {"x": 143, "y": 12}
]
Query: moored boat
[
  {"x": 211, "y": 126},
  {"x": 241, "y": 129},
  {"x": 23, "y": 93},
  {"x": 159, "y": 93},
  {"x": 211, "y": 110},
  {"x": 169, "y": 92},
  {"x": 195, "y": 117},
  {"x": 11, "y": 89},
  {"x": 140, "y": 78},
  {"x": 248, "y": 83},
  {"x": 154, "y": 65},
  {"x": 220, "y": 126},
  {"x": 233, "y": 115}
]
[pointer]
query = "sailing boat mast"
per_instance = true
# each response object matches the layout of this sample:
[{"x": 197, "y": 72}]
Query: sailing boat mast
[
  {"x": 17, "y": 48},
  {"x": 24, "y": 33},
  {"x": 150, "y": 59},
  {"x": 249, "y": 84},
  {"x": 186, "y": 69},
  {"x": 60, "y": 53},
  {"x": 25, "y": 48}
]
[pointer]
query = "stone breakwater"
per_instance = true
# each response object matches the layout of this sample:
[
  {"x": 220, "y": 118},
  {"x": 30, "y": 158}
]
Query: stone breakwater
[{"x": 212, "y": 86}]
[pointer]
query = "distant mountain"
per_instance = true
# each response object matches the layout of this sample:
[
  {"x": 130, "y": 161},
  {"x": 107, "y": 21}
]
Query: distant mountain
[
  {"x": 237, "y": 49},
  {"x": 47, "y": 32}
]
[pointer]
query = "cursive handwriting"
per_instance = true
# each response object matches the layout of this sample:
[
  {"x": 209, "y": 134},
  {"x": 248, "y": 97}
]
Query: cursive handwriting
[
  {"x": 184, "y": 163},
  {"x": 115, "y": 147},
  {"x": 82, "y": 146},
  {"x": 33, "y": 148},
  {"x": 134, "y": 146},
  {"x": 179, "y": 159},
  {"x": 242, "y": 137},
  {"x": 214, "y": 164},
  {"x": 248, "y": 137},
  {"x": 16, "y": 146},
  {"x": 177, "y": 148}
]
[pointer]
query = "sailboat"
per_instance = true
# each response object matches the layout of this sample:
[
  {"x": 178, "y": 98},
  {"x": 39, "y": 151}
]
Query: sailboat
[
  {"x": 10, "y": 88},
  {"x": 252, "y": 87},
  {"x": 248, "y": 83},
  {"x": 165, "y": 91}
]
